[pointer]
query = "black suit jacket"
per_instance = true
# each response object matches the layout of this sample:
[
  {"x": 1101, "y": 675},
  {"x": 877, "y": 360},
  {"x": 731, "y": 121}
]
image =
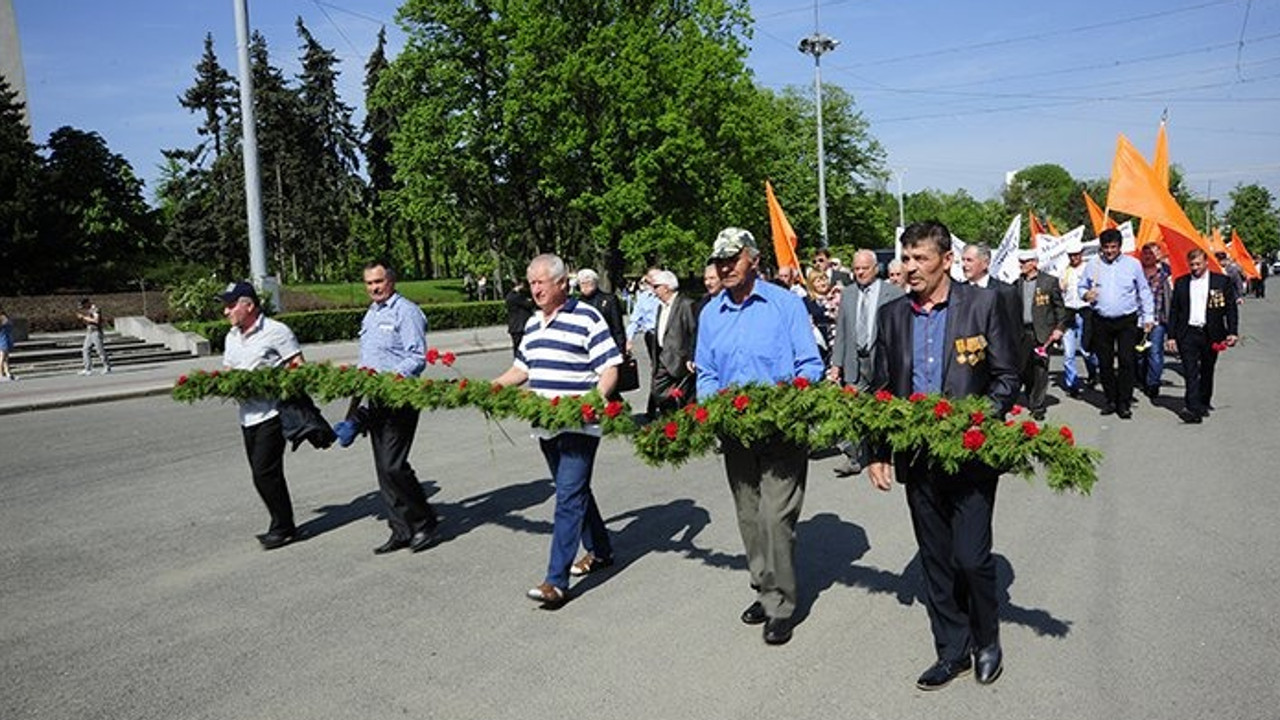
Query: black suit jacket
[
  {"x": 973, "y": 316},
  {"x": 1221, "y": 317},
  {"x": 611, "y": 310},
  {"x": 677, "y": 349}
]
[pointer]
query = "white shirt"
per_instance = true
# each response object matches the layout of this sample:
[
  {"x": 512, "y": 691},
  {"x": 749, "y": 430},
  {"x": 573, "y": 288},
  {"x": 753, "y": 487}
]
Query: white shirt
[
  {"x": 664, "y": 316},
  {"x": 983, "y": 281},
  {"x": 1199, "y": 300},
  {"x": 1070, "y": 285},
  {"x": 268, "y": 344}
]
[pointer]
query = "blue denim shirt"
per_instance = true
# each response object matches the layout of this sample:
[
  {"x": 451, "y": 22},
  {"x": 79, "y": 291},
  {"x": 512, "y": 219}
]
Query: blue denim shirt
[
  {"x": 928, "y": 350},
  {"x": 766, "y": 339},
  {"x": 393, "y": 337}
]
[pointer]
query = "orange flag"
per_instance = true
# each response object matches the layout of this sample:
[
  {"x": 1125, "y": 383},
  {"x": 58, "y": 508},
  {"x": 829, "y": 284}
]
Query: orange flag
[
  {"x": 1035, "y": 228},
  {"x": 1052, "y": 230},
  {"x": 1136, "y": 190},
  {"x": 1242, "y": 256},
  {"x": 784, "y": 238},
  {"x": 1160, "y": 163},
  {"x": 1099, "y": 220},
  {"x": 1179, "y": 246}
]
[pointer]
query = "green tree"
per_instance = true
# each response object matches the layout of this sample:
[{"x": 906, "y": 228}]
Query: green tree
[
  {"x": 1253, "y": 215},
  {"x": 968, "y": 218},
  {"x": 19, "y": 187},
  {"x": 1046, "y": 189}
]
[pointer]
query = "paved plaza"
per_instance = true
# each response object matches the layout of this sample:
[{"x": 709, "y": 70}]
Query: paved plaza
[{"x": 131, "y": 585}]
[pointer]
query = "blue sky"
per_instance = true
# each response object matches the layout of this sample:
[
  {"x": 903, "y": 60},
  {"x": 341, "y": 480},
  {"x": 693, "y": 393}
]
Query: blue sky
[{"x": 959, "y": 93}]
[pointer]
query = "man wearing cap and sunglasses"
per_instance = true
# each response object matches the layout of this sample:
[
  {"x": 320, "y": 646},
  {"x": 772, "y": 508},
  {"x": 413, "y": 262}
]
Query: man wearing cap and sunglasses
[
  {"x": 256, "y": 341},
  {"x": 757, "y": 332}
]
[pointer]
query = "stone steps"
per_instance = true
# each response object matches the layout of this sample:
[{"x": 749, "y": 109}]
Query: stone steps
[{"x": 60, "y": 354}]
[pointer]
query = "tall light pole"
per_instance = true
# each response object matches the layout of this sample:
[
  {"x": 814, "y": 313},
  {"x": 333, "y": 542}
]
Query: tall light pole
[
  {"x": 815, "y": 45},
  {"x": 252, "y": 183}
]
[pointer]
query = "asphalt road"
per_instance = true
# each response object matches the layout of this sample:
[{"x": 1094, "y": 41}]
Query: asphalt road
[{"x": 131, "y": 585}]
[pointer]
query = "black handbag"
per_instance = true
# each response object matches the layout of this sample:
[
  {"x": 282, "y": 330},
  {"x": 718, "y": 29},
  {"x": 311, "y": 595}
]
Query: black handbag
[{"x": 628, "y": 375}]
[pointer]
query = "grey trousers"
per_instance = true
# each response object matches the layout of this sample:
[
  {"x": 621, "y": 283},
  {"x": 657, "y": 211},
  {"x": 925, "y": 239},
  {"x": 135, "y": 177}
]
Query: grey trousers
[
  {"x": 767, "y": 480},
  {"x": 93, "y": 339}
]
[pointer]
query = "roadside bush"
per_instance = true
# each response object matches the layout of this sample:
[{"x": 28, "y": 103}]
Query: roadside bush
[
  {"x": 196, "y": 298},
  {"x": 334, "y": 325}
]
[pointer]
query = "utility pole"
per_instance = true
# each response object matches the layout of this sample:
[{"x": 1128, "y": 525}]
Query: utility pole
[
  {"x": 902, "y": 215},
  {"x": 252, "y": 183},
  {"x": 815, "y": 45}
]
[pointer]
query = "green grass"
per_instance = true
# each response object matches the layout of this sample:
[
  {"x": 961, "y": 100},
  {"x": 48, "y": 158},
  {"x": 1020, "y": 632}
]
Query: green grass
[{"x": 419, "y": 291}]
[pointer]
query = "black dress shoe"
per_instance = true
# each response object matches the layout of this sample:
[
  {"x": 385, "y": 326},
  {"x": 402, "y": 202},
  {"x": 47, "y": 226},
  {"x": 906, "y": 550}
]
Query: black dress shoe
[
  {"x": 1125, "y": 413},
  {"x": 1108, "y": 409},
  {"x": 423, "y": 539},
  {"x": 988, "y": 664},
  {"x": 392, "y": 544},
  {"x": 943, "y": 672},
  {"x": 1074, "y": 391},
  {"x": 276, "y": 538},
  {"x": 777, "y": 631},
  {"x": 754, "y": 614},
  {"x": 1191, "y": 417}
]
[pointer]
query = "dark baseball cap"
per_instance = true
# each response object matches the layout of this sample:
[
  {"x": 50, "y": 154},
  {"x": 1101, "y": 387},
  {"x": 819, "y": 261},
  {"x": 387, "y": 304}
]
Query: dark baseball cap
[{"x": 237, "y": 290}]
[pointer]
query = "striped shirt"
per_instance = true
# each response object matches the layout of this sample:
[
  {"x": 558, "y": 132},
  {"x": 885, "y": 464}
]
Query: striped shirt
[{"x": 566, "y": 355}]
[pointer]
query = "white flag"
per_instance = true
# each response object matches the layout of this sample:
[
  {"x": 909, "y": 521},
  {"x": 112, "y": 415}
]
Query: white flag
[{"x": 1004, "y": 259}]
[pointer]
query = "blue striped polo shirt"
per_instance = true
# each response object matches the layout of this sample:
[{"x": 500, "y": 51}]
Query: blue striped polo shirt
[{"x": 566, "y": 355}]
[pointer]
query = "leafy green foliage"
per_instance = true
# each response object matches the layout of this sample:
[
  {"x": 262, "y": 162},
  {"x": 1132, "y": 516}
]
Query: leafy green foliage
[{"x": 1254, "y": 216}]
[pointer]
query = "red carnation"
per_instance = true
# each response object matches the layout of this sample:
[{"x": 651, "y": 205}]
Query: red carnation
[
  {"x": 588, "y": 413},
  {"x": 977, "y": 417},
  {"x": 213, "y": 374},
  {"x": 700, "y": 414},
  {"x": 974, "y": 439},
  {"x": 343, "y": 368},
  {"x": 800, "y": 383},
  {"x": 1017, "y": 410},
  {"x": 1219, "y": 347},
  {"x": 182, "y": 379},
  {"x": 741, "y": 402},
  {"x": 448, "y": 359},
  {"x": 1008, "y": 423},
  {"x": 671, "y": 430},
  {"x": 884, "y": 395},
  {"x": 722, "y": 391},
  {"x": 433, "y": 354},
  {"x": 555, "y": 401},
  {"x": 613, "y": 409},
  {"x": 1067, "y": 435},
  {"x": 915, "y": 397},
  {"x": 850, "y": 390},
  {"x": 1030, "y": 429},
  {"x": 399, "y": 377},
  {"x": 462, "y": 384},
  {"x": 368, "y": 371},
  {"x": 495, "y": 388},
  {"x": 942, "y": 409},
  {"x": 675, "y": 393}
]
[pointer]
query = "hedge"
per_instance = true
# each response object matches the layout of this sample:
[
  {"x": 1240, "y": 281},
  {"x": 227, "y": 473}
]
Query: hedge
[{"x": 331, "y": 325}]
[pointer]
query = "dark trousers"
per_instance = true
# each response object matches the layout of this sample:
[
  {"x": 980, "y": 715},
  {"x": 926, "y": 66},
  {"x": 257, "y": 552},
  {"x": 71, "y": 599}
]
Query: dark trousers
[
  {"x": 1035, "y": 372},
  {"x": 1115, "y": 339},
  {"x": 767, "y": 480},
  {"x": 264, "y": 445},
  {"x": 391, "y": 432},
  {"x": 1198, "y": 363},
  {"x": 951, "y": 516}
]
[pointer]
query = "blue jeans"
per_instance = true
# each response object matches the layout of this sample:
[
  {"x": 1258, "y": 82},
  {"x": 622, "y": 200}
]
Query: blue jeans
[
  {"x": 571, "y": 457},
  {"x": 1070, "y": 348},
  {"x": 1151, "y": 363}
]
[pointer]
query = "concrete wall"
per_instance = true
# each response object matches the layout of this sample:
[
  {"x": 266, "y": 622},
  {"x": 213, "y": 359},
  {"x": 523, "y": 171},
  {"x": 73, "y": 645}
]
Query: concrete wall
[{"x": 172, "y": 337}]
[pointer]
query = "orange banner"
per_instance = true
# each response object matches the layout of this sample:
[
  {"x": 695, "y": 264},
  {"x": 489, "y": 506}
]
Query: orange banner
[
  {"x": 1179, "y": 245},
  {"x": 1136, "y": 190},
  {"x": 1238, "y": 251},
  {"x": 1097, "y": 219},
  {"x": 784, "y": 238}
]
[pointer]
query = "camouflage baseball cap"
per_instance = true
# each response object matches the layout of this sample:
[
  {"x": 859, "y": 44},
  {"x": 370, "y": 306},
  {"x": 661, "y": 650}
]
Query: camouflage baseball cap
[{"x": 730, "y": 242}]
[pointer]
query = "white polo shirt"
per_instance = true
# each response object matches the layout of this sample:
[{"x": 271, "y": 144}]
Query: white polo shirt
[{"x": 268, "y": 344}]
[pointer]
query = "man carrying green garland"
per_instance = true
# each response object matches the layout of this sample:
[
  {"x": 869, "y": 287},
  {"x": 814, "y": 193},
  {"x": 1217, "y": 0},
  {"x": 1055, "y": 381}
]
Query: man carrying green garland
[
  {"x": 953, "y": 339},
  {"x": 756, "y": 332}
]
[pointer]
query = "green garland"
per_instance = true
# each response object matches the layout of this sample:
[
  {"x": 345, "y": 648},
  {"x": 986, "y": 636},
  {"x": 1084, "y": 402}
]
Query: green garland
[{"x": 815, "y": 416}]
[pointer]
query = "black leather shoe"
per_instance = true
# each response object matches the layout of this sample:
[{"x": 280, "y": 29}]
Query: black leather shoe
[
  {"x": 754, "y": 614},
  {"x": 1074, "y": 391},
  {"x": 392, "y": 544},
  {"x": 1191, "y": 417},
  {"x": 777, "y": 631},
  {"x": 1108, "y": 409},
  {"x": 423, "y": 539},
  {"x": 1125, "y": 413},
  {"x": 943, "y": 672},
  {"x": 276, "y": 539},
  {"x": 988, "y": 664}
]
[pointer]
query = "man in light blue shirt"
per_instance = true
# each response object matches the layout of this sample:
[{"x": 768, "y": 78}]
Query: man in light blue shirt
[
  {"x": 393, "y": 338},
  {"x": 1117, "y": 289},
  {"x": 644, "y": 317},
  {"x": 756, "y": 332}
]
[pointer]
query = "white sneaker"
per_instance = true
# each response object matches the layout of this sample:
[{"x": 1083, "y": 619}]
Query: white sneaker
[
  {"x": 106, "y": 371},
  {"x": 86, "y": 372}
]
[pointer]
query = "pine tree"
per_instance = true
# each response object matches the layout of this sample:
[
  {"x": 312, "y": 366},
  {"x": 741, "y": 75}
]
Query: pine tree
[{"x": 19, "y": 186}]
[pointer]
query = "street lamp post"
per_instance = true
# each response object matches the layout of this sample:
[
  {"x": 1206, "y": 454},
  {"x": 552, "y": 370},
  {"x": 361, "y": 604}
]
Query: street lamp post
[{"x": 815, "y": 45}]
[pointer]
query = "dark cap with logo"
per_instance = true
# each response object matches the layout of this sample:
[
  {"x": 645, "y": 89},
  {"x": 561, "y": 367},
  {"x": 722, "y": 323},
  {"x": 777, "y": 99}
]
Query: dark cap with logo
[{"x": 237, "y": 290}]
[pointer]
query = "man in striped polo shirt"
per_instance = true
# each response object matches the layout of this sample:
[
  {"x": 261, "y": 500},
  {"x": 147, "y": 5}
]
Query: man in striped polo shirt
[{"x": 567, "y": 350}]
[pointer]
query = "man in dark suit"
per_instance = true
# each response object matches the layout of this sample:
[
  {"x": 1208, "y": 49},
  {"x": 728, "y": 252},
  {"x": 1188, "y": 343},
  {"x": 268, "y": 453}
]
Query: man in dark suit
[
  {"x": 853, "y": 351},
  {"x": 606, "y": 303},
  {"x": 671, "y": 344},
  {"x": 1202, "y": 313},
  {"x": 1043, "y": 320},
  {"x": 975, "y": 261},
  {"x": 965, "y": 348}
]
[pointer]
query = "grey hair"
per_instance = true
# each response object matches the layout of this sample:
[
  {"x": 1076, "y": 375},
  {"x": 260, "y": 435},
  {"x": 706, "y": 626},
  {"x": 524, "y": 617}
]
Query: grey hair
[
  {"x": 588, "y": 275},
  {"x": 894, "y": 263},
  {"x": 666, "y": 277},
  {"x": 552, "y": 264},
  {"x": 983, "y": 250},
  {"x": 864, "y": 254}
]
